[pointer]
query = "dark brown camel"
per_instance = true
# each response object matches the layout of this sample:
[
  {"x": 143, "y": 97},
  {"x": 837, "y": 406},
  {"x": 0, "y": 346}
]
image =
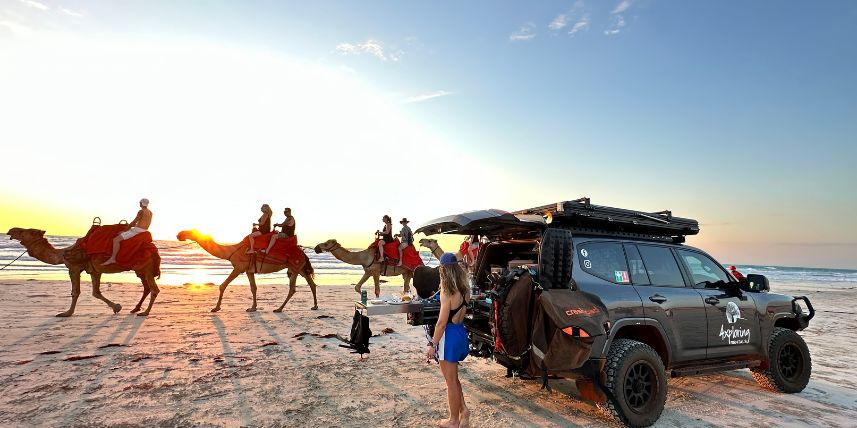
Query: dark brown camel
[{"x": 77, "y": 261}]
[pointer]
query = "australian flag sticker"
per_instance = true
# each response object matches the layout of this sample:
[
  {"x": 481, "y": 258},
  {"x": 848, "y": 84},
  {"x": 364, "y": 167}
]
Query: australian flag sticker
[{"x": 622, "y": 276}]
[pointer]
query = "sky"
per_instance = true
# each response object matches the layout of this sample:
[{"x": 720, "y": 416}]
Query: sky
[{"x": 738, "y": 114}]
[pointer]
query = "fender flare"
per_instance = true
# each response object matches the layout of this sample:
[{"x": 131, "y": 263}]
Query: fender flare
[{"x": 643, "y": 321}]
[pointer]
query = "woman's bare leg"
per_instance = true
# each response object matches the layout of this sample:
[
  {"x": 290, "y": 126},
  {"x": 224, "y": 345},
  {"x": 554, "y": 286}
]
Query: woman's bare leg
[
  {"x": 453, "y": 393},
  {"x": 252, "y": 240}
]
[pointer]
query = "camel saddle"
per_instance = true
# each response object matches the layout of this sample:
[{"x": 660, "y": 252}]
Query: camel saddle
[
  {"x": 410, "y": 256},
  {"x": 285, "y": 251},
  {"x": 98, "y": 245}
]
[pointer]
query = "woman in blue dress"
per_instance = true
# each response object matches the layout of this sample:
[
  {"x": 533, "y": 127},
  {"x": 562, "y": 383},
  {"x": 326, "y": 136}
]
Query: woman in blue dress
[{"x": 449, "y": 343}]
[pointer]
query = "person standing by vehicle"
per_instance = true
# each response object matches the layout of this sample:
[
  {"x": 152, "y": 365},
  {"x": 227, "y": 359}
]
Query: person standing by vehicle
[
  {"x": 406, "y": 237},
  {"x": 386, "y": 235},
  {"x": 287, "y": 229},
  {"x": 264, "y": 226},
  {"x": 137, "y": 226},
  {"x": 449, "y": 343}
]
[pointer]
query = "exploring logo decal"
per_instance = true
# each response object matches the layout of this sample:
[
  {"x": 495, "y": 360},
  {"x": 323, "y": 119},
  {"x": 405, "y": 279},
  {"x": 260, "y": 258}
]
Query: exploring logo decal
[{"x": 734, "y": 335}]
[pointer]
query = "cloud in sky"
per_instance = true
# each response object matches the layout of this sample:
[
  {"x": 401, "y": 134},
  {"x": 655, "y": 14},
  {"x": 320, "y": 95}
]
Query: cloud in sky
[
  {"x": 621, "y": 7},
  {"x": 70, "y": 12},
  {"x": 581, "y": 25},
  {"x": 35, "y": 4},
  {"x": 428, "y": 96},
  {"x": 526, "y": 32},
  {"x": 559, "y": 22},
  {"x": 371, "y": 47},
  {"x": 616, "y": 25}
]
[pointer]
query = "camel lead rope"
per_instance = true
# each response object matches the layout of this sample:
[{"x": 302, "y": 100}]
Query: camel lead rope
[{"x": 13, "y": 261}]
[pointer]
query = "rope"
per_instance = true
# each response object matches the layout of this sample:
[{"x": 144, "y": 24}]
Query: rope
[{"x": 13, "y": 261}]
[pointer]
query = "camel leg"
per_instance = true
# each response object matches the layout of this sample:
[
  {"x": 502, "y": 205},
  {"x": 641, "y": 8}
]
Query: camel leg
[
  {"x": 232, "y": 275},
  {"x": 407, "y": 282},
  {"x": 366, "y": 275},
  {"x": 150, "y": 279},
  {"x": 377, "y": 278},
  {"x": 293, "y": 278},
  {"x": 146, "y": 290},
  {"x": 312, "y": 287},
  {"x": 96, "y": 292},
  {"x": 75, "y": 292},
  {"x": 252, "y": 277}
]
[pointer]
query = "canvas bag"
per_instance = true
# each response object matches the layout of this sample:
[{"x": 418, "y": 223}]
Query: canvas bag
[
  {"x": 512, "y": 309},
  {"x": 358, "y": 341},
  {"x": 555, "y": 351}
]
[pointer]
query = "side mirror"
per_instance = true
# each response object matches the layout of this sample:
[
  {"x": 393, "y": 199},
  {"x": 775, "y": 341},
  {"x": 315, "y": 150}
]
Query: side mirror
[{"x": 757, "y": 283}]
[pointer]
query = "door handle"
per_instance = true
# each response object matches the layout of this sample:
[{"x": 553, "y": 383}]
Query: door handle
[
  {"x": 657, "y": 298},
  {"x": 712, "y": 300}
]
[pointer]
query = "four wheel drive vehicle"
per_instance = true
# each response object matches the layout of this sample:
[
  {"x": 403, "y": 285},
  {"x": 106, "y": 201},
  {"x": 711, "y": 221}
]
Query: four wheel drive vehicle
[{"x": 613, "y": 299}]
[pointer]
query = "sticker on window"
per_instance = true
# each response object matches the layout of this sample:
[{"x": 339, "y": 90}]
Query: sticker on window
[
  {"x": 622, "y": 276},
  {"x": 584, "y": 253},
  {"x": 587, "y": 264}
]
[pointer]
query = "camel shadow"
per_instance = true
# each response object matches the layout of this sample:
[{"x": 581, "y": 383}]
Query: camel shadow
[
  {"x": 113, "y": 352},
  {"x": 244, "y": 408}
]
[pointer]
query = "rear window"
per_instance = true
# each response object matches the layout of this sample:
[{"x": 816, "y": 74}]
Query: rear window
[
  {"x": 661, "y": 266},
  {"x": 605, "y": 260}
]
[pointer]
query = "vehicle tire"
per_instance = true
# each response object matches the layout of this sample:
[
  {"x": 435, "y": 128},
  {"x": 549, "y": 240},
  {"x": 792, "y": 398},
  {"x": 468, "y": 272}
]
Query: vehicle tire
[
  {"x": 555, "y": 253},
  {"x": 636, "y": 378},
  {"x": 789, "y": 363}
]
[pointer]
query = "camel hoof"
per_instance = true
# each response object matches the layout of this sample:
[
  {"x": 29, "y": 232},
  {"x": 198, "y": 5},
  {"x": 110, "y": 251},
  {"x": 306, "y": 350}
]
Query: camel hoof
[
  {"x": 278, "y": 310},
  {"x": 64, "y": 314},
  {"x": 217, "y": 309},
  {"x": 135, "y": 310},
  {"x": 314, "y": 308},
  {"x": 251, "y": 309},
  {"x": 117, "y": 308},
  {"x": 143, "y": 314}
]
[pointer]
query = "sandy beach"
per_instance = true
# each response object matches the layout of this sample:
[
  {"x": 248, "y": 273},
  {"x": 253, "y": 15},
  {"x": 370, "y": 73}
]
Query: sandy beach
[{"x": 185, "y": 366}]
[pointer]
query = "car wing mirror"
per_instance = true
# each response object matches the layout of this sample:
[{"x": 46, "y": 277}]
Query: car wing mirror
[{"x": 755, "y": 283}]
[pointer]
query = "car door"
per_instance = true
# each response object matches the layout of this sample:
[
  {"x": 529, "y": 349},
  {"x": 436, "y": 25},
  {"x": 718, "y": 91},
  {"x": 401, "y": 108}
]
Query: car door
[
  {"x": 733, "y": 318},
  {"x": 669, "y": 300}
]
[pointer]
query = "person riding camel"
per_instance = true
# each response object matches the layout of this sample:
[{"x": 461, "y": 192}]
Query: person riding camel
[
  {"x": 287, "y": 229},
  {"x": 406, "y": 237},
  {"x": 137, "y": 226},
  {"x": 386, "y": 235},
  {"x": 261, "y": 228}
]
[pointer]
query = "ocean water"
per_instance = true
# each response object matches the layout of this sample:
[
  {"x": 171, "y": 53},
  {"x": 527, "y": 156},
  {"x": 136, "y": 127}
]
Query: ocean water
[
  {"x": 186, "y": 263},
  {"x": 181, "y": 263}
]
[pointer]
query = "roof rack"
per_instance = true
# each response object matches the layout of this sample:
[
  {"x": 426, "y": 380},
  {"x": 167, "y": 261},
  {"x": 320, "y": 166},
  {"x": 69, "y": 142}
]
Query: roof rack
[{"x": 581, "y": 214}]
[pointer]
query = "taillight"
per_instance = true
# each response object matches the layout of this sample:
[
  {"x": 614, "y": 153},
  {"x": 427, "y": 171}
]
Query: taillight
[{"x": 575, "y": 332}]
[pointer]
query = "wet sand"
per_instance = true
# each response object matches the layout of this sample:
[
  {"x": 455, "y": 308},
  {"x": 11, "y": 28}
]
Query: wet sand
[{"x": 185, "y": 366}]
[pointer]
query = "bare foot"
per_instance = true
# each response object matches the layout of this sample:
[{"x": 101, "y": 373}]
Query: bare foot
[
  {"x": 263, "y": 251},
  {"x": 399, "y": 264},
  {"x": 250, "y": 251},
  {"x": 464, "y": 417},
  {"x": 446, "y": 423},
  {"x": 108, "y": 262}
]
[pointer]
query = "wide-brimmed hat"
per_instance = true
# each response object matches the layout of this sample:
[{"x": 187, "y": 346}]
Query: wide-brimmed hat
[
  {"x": 404, "y": 220},
  {"x": 144, "y": 202}
]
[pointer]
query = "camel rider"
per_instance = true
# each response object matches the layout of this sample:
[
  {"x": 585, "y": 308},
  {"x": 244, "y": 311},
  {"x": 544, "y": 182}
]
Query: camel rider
[
  {"x": 386, "y": 235},
  {"x": 287, "y": 229},
  {"x": 139, "y": 225},
  {"x": 264, "y": 226},
  {"x": 406, "y": 237}
]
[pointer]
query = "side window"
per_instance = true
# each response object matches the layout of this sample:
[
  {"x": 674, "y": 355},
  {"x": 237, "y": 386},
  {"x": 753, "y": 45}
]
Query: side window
[
  {"x": 636, "y": 266},
  {"x": 661, "y": 266},
  {"x": 702, "y": 268},
  {"x": 605, "y": 260}
]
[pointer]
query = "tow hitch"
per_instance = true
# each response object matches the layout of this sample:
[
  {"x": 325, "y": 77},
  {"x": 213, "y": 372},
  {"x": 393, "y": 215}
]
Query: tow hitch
[{"x": 801, "y": 316}]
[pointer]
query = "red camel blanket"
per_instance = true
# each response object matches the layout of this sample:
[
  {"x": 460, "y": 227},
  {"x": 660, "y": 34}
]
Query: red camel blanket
[
  {"x": 410, "y": 256},
  {"x": 98, "y": 244},
  {"x": 285, "y": 251}
]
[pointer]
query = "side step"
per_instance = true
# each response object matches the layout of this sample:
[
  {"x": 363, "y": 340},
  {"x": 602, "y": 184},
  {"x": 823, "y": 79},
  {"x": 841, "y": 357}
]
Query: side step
[{"x": 714, "y": 368}]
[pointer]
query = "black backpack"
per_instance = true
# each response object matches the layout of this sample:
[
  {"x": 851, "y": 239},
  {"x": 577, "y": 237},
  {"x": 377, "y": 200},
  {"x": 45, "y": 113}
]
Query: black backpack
[{"x": 358, "y": 342}]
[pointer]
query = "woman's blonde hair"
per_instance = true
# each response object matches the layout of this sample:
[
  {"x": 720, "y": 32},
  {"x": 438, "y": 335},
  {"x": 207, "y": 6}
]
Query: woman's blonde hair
[
  {"x": 267, "y": 209},
  {"x": 453, "y": 278}
]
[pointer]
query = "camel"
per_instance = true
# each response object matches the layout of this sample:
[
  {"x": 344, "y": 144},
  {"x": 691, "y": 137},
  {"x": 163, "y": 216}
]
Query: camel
[
  {"x": 435, "y": 249},
  {"x": 250, "y": 265},
  {"x": 371, "y": 266},
  {"x": 77, "y": 261}
]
